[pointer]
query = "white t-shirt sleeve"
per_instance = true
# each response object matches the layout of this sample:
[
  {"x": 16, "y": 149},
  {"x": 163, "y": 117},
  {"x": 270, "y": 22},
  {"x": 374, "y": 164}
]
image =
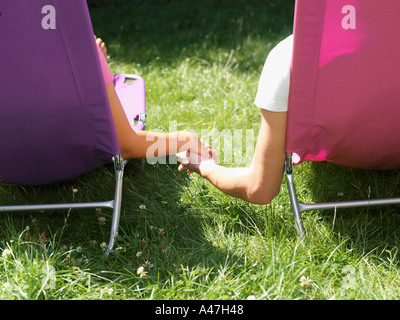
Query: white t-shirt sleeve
[{"x": 274, "y": 83}]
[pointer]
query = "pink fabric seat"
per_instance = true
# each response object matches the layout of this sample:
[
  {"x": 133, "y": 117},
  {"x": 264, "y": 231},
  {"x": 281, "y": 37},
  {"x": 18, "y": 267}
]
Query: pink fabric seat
[
  {"x": 344, "y": 99},
  {"x": 344, "y": 102}
]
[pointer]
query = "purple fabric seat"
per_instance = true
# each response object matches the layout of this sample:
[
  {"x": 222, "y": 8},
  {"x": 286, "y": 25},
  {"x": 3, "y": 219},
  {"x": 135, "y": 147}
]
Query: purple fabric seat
[{"x": 55, "y": 119}]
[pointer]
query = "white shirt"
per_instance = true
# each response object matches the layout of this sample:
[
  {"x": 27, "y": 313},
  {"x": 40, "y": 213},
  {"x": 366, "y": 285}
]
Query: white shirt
[{"x": 274, "y": 83}]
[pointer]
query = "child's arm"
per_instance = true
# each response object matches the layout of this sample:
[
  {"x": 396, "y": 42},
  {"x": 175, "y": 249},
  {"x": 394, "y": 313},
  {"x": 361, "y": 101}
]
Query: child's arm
[
  {"x": 137, "y": 143},
  {"x": 261, "y": 181}
]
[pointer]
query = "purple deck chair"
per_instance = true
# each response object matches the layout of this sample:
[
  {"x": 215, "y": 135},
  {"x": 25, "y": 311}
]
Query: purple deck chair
[
  {"x": 344, "y": 101},
  {"x": 55, "y": 118}
]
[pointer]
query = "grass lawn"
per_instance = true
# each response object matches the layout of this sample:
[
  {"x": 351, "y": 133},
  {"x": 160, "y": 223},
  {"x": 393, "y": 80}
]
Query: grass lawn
[{"x": 201, "y": 61}]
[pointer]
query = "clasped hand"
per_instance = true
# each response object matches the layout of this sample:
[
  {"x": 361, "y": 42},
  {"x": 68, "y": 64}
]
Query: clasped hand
[{"x": 199, "y": 163}]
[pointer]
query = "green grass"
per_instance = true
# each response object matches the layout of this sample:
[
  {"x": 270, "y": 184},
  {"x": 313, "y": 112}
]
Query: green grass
[{"x": 201, "y": 61}]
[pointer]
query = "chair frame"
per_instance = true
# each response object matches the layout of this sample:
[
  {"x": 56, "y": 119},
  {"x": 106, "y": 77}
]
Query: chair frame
[
  {"x": 298, "y": 208},
  {"x": 115, "y": 204}
]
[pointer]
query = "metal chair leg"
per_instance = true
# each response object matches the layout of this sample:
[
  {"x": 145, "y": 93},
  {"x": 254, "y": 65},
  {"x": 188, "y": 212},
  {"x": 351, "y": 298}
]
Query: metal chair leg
[
  {"x": 119, "y": 165},
  {"x": 293, "y": 198}
]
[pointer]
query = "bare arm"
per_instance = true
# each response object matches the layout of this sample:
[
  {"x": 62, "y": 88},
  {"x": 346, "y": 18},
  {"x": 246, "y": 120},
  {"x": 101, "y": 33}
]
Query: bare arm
[
  {"x": 260, "y": 182},
  {"x": 137, "y": 143}
]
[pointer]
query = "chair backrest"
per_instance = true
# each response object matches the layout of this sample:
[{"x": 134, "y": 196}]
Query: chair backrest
[
  {"x": 132, "y": 96},
  {"x": 344, "y": 101},
  {"x": 55, "y": 118}
]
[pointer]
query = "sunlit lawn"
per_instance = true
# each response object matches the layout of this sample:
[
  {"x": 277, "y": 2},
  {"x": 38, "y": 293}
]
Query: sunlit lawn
[{"x": 201, "y": 61}]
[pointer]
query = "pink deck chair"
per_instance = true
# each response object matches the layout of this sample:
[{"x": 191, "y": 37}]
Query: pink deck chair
[
  {"x": 344, "y": 101},
  {"x": 55, "y": 118}
]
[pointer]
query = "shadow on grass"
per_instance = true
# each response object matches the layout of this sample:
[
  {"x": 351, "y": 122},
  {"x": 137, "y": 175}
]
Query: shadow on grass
[
  {"x": 367, "y": 228},
  {"x": 148, "y": 31},
  {"x": 156, "y": 228},
  {"x": 163, "y": 223}
]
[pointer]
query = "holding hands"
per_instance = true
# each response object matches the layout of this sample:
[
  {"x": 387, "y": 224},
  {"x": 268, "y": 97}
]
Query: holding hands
[
  {"x": 260, "y": 181},
  {"x": 199, "y": 163}
]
